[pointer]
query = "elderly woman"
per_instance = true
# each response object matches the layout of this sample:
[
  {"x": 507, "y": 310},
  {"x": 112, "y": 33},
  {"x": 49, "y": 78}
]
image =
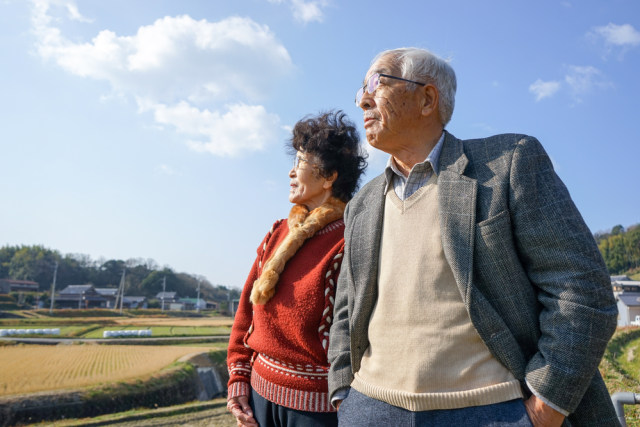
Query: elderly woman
[{"x": 277, "y": 355}]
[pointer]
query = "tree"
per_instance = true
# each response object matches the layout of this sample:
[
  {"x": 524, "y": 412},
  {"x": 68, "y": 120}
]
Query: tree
[{"x": 34, "y": 263}]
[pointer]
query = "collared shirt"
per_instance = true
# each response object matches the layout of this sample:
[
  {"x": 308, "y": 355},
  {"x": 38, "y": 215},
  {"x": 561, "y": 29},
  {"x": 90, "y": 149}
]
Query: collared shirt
[{"x": 418, "y": 176}]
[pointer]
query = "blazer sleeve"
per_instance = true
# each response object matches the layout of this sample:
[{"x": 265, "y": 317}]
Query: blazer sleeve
[
  {"x": 578, "y": 311},
  {"x": 339, "y": 354}
]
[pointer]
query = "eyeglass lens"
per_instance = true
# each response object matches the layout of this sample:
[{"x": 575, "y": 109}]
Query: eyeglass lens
[
  {"x": 372, "y": 85},
  {"x": 297, "y": 161}
]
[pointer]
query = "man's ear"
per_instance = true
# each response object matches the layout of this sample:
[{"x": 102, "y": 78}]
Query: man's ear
[
  {"x": 328, "y": 181},
  {"x": 430, "y": 99}
]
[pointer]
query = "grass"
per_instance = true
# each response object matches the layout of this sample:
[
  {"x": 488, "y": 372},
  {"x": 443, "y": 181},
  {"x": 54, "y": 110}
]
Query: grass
[
  {"x": 216, "y": 407},
  {"x": 620, "y": 368}
]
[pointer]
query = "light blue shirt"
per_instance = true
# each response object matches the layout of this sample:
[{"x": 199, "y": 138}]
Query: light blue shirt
[{"x": 405, "y": 186}]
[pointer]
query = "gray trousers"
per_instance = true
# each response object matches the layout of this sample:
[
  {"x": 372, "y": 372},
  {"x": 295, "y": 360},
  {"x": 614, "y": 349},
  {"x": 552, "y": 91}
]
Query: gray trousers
[{"x": 358, "y": 410}]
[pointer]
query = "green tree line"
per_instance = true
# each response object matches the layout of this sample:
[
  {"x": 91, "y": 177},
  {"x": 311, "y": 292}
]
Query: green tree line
[
  {"x": 143, "y": 277},
  {"x": 620, "y": 248}
]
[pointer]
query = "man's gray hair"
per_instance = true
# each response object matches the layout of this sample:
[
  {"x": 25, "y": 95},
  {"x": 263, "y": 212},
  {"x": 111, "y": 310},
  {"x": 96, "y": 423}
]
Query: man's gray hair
[{"x": 423, "y": 66}]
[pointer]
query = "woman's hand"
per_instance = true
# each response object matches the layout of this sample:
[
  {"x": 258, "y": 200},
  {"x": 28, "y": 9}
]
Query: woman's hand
[{"x": 239, "y": 407}]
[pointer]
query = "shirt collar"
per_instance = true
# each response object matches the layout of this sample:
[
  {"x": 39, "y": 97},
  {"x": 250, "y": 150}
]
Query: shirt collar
[{"x": 433, "y": 160}]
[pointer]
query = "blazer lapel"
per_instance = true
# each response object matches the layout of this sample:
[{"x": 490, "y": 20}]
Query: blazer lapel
[
  {"x": 457, "y": 203},
  {"x": 365, "y": 250}
]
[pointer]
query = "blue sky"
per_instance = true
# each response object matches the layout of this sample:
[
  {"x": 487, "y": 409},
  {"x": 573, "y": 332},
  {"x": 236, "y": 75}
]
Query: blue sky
[{"x": 156, "y": 129}]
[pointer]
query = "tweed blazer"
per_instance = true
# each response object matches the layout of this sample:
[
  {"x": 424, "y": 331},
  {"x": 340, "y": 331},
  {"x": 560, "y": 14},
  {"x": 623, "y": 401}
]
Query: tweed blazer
[{"x": 527, "y": 267}]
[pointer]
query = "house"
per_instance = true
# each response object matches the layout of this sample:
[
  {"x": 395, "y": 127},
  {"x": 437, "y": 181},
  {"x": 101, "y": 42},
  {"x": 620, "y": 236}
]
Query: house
[
  {"x": 619, "y": 278},
  {"x": 176, "y": 306},
  {"x": 627, "y": 293},
  {"x": 80, "y": 296},
  {"x": 621, "y": 286},
  {"x": 628, "y": 307},
  {"x": 135, "y": 302},
  {"x": 193, "y": 303},
  {"x": 167, "y": 298},
  {"x": 11, "y": 285},
  {"x": 110, "y": 295}
]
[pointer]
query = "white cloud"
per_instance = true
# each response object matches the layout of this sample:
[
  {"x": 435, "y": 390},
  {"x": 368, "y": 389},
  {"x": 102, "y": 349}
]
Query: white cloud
[
  {"x": 241, "y": 128},
  {"x": 583, "y": 79},
  {"x": 543, "y": 89},
  {"x": 181, "y": 69},
  {"x": 614, "y": 38},
  {"x": 305, "y": 10},
  {"x": 579, "y": 80},
  {"x": 166, "y": 170},
  {"x": 619, "y": 35}
]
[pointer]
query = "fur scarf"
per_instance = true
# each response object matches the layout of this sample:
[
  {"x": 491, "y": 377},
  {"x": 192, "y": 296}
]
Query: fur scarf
[{"x": 302, "y": 225}]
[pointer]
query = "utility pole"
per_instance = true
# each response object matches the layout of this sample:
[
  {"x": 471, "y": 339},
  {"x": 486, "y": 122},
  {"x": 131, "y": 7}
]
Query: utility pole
[
  {"x": 121, "y": 290},
  {"x": 164, "y": 288},
  {"x": 53, "y": 287},
  {"x": 198, "y": 300}
]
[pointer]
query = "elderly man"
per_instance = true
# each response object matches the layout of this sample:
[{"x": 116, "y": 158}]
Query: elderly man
[{"x": 471, "y": 290}]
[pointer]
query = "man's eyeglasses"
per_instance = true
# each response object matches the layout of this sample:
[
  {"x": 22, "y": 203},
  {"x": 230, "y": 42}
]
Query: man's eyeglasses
[{"x": 373, "y": 82}]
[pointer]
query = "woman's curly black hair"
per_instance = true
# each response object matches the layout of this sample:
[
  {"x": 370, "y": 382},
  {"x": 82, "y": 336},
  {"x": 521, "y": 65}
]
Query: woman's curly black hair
[{"x": 334, "y": 141}]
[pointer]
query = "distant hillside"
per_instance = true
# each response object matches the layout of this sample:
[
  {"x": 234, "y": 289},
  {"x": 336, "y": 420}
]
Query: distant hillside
[
  {"x": 621, "y": 248},
  {"x": 143, "y": 277}
]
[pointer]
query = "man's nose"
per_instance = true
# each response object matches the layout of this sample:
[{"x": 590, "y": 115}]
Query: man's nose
[{"x": 367, "y": 101}]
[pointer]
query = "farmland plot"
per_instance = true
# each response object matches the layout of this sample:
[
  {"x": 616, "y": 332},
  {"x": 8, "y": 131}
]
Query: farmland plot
[{"x": 33, "y": 368}]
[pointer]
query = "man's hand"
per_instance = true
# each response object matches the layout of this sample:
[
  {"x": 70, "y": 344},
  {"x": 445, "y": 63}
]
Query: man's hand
[
  {"x": 541, "y": 414},
  {"x": 239, "y": 407},
  {"x": 338, "y": 402}
]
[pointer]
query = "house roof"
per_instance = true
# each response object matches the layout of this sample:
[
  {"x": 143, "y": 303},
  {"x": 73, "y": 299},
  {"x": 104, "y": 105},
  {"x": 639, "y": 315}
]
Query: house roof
[
  {"x": 617, "y": 278},
  {"x": 627, "y": 282},
  {"x": 107, "y": 291},
  {"x": 19, "y": 282},
  {"x": 78, "y": 289},
  {"x": 630, "y": 299},
  {"x": 166, "y": 295}
]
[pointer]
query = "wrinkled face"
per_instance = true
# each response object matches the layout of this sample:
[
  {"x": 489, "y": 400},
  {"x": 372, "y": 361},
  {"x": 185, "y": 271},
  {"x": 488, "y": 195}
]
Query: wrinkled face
[
  {"x": 307, "y": 187},
  {"x": 392, "y": 111}
]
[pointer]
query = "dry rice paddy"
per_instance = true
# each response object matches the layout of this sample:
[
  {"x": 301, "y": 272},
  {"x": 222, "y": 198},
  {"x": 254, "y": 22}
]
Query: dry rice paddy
[{"x": 34, "y": 368}]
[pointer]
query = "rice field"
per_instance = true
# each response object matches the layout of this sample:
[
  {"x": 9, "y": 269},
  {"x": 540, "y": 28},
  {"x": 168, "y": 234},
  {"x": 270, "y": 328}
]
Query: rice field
[{"x": 35, "y": 368}]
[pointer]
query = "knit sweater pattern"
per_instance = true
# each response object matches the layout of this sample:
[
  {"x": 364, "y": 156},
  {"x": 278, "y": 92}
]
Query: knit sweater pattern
[{"x": 280, "y": 348}]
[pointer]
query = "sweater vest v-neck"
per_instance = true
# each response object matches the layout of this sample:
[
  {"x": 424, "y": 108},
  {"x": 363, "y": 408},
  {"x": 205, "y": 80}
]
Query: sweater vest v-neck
[{"x": 424, "y": 352}]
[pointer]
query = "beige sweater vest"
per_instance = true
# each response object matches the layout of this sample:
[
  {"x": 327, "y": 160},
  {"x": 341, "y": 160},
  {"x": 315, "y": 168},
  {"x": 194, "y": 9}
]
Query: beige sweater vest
[{"x": 424, "y": 352}]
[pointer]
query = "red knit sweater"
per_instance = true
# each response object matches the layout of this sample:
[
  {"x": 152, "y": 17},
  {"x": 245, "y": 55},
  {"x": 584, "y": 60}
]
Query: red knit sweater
[{"x": 280, "y": 348}]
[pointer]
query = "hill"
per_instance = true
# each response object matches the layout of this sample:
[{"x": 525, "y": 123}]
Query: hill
[{"x": 143, "y": 276}]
